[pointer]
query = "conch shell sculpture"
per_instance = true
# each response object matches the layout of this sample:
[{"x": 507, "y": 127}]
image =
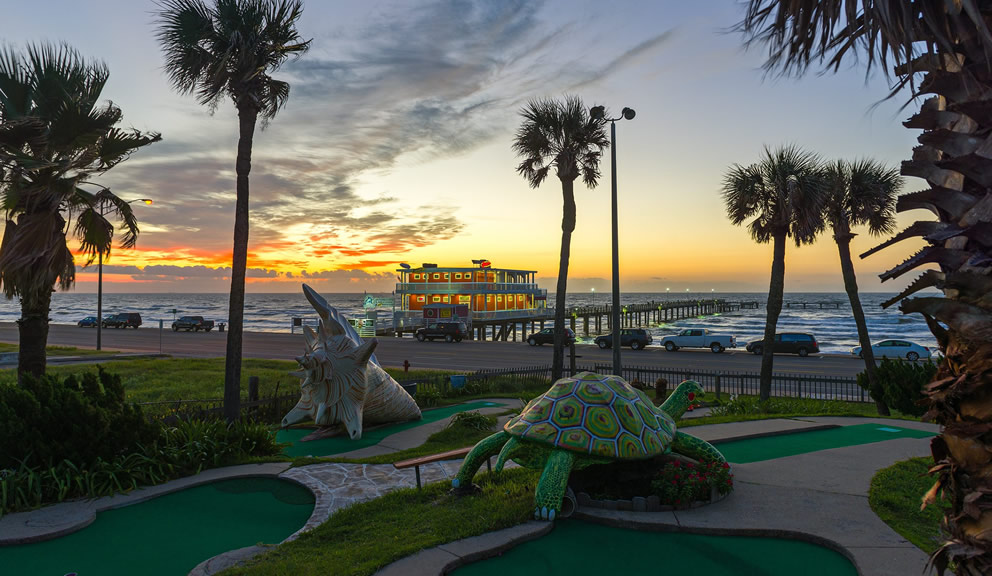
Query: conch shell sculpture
[{"x": 341, "y": 381}]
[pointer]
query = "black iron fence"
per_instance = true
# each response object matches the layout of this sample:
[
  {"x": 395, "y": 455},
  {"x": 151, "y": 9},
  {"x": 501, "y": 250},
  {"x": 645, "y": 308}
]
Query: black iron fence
[{"x": 267, "y": 409}]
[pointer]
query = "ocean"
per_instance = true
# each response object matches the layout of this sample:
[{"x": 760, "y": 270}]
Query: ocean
[{"x": 833, "y": 327}]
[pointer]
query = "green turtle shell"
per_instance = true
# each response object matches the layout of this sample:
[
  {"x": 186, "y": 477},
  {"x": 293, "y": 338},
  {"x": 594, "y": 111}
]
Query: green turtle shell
[{"x": 597, "y": 415}]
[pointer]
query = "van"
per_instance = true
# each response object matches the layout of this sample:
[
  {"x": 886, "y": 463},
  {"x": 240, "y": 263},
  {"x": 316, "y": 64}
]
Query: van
[{"x": 787, "y": 343}]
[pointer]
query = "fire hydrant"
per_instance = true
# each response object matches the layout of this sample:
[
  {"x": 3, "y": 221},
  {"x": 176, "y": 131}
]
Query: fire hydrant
[{"x": 406, "y": 365}]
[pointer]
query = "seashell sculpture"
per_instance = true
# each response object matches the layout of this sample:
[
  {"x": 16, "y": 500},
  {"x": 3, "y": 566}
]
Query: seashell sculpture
[{"x": 341, "y": 381}]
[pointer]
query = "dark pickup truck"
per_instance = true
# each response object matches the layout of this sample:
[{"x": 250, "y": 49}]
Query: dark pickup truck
[{"x": 192, "y": 324}]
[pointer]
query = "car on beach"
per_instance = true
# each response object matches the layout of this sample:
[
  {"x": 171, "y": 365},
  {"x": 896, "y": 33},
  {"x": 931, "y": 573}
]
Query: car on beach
[
  {"x": 88, "y": 322},
  {"x": 123, "y": 320},
  {"x": 547, "y": 336},
  {"x": 787, "y": 343},
  {"x": 636, "y": 338},
  {"x": 450, "y": 331},
  {"x": 895, "y": 349}
]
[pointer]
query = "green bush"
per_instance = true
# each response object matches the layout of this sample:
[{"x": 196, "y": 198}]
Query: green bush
[
  {"x": 902, "y": 383},
  {"x": 80, "y": 419},
  {"x": 681, "y": 483},
  {"x": 472, "y": 420}
]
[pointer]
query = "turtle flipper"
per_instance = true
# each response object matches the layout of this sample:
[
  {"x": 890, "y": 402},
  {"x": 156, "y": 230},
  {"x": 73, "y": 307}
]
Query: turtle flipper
[
  {"x": 551, "y": 486},
  {"x": 479, "y": 454},
  {"x": 696, "y": 448},
  {"x": 506, "y": 453}
]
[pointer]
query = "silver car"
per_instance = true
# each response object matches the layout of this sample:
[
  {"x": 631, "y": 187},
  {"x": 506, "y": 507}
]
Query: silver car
[{"x": 896, "y": 349}]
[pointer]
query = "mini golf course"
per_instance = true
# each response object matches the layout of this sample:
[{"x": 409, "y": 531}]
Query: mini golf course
[
  {"x": 576, "y": 547},
  {"x": 782, "y": 445},
  {"x": 341, "y": 444},
  {"x": 170, "y": 534}
]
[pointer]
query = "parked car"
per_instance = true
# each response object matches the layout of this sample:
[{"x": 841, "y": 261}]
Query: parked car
[
  {"x": 636, "y": 338},
  {"x": 699, "y": 338},
  {"x": 787, "y": 343},
  {"x": 123, "y": 320},
  {"x": 450, "y": 331},
  {"x": 192, "y": 324},
  {"x": 547, "y": 336},
  {"x": 895, "y": 349},
  {"x": 88, "y": 322}
]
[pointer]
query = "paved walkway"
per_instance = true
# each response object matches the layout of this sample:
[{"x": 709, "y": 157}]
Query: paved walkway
[{"x": 819, "y": 496}]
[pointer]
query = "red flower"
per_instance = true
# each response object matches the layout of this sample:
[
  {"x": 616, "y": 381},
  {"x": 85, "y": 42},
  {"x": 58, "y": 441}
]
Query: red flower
[
  {"x": 725, "y": 465},
  {"x": 689, "y": 465}
]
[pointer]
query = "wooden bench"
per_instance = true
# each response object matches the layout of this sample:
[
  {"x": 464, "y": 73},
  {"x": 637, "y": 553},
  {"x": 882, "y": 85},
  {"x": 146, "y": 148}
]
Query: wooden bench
[{"x": 416, "y": 463}]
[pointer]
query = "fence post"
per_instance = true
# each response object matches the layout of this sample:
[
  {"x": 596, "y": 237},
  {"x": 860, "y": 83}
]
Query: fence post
[
  {"x": 717, "y": 384},
  {"x": 253, "y": 389}
]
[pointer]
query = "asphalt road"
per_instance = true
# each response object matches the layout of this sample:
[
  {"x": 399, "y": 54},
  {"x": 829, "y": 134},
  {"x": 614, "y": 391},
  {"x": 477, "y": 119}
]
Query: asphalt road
[{"x": 466, "y": 355}]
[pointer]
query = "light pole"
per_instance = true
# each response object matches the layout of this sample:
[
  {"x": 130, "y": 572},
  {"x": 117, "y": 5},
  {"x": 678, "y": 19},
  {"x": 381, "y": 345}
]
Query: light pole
[
  {"x": 599, "y": 113},
  {"x": 593, "y": 290},
  {"x": 99, "y": 281}
]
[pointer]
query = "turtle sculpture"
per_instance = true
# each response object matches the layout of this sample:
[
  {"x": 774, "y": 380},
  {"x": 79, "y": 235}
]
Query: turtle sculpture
[{"x": 584, "y": 420}]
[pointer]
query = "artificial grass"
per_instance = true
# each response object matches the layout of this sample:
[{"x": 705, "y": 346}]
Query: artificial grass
[
  {"x": 895, "y": 495},
  {"x": 782, "y": 445},
  {"x": 611, "y": 550},
  {"x": 170, "y": 534},
  {"x": 360, "y": 539},
  {"x": 341, "y": 444}
]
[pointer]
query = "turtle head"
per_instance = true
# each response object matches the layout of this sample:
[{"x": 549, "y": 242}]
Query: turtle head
[{"x": 687, "y": 393}]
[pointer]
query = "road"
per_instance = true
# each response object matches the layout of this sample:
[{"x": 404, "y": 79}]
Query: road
[{"x": 466, "y": 355}]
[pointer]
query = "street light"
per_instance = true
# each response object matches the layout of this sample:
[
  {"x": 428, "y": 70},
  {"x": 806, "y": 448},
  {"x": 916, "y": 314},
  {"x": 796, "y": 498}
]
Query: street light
[
  {"x": 599, "y": 113},
  {"x": 593, "y": 290},
  {"x": 99, "y": 279}
]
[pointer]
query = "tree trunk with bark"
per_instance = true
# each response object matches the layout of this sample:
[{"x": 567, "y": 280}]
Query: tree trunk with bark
[
  {"x": 247, "y": 116},
  {"x": 776, "y": 289},
  {"x": 32, "y": 331},
  {"x": 843, "y": 240},
  {"x": 567, "y": 227}
]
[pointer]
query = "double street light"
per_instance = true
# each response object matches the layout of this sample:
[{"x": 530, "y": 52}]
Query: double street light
[
  {"x": 599, "y": 113},
  {"x": 99, "y": 279}
]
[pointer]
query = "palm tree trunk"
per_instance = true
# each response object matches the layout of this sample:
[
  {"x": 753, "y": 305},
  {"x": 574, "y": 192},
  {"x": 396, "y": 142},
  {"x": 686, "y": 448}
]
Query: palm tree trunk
[
  {"x": 33, "y": 334},
  {"x": 247, "y": 115},
  {"x": 567, "y": 227},
  {"x": 776, "y": 288},
  {"x": 851, "y": 286}
]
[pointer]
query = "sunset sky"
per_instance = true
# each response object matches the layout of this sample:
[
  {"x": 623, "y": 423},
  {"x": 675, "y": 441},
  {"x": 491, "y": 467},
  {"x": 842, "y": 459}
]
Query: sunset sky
[{"x": 395, "y": 146}]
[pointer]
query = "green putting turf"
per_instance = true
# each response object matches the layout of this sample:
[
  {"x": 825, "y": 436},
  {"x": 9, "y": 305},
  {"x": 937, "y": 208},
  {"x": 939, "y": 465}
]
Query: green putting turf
[
  {"x": 340, "y": 444},
  {"x": 771, "y": 447},
  {"x": 575, "y": 547},
  {"x": 171, "y": 534}
]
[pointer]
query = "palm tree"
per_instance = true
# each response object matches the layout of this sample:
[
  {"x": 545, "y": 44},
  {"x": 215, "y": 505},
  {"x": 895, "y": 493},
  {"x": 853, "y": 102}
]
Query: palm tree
[
  {"x": 229, "y": 50},
  {"x": 560, "y": 134},
  {"x": 783, "y": 195},
  {"x": 53, "y": 138},
  {"x": 860, "y": 193},
  {"x": 951, "y": 44}
]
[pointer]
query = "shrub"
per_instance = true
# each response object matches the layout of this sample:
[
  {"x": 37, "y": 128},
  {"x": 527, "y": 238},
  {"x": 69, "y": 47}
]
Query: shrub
[
  {"x": 80, "y": 419},
  {"x": 680, "y": 483},
  {"x": 902, "y": 383},
  {"x": 472, "y": 420}
]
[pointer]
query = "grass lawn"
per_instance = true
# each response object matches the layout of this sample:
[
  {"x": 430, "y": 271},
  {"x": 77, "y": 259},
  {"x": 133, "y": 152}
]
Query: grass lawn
[
  {"x": 360, "y": 539},
  {"x": 895, "y": 495},
  {"x": 745, "y": 408},
  {"x": 6, "y": 347}
]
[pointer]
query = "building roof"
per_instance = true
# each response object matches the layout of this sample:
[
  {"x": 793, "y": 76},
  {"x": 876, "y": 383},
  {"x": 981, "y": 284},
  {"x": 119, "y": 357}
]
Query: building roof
[{"x": 465, "y": 269}]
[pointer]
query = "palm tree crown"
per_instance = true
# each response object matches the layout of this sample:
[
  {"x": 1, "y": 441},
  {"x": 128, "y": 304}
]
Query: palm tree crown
[
  {"x": 230, "y": 48},
  {"x": 861, "y": 193}
]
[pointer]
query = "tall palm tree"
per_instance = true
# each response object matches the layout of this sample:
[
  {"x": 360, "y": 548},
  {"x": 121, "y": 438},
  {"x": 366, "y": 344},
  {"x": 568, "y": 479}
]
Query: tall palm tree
[
  {"x": 860, "y": 193},
  {"x": 230, "y": 49},
  {"x": 560, "y": 134},
  {"x": 951, "y": 44},
  {"x": 54, "y": 136},
  {"x": 782, "y": 193}
]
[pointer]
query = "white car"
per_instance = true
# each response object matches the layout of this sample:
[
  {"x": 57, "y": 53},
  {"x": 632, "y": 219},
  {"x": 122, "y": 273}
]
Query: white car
[{"x": 896, "y": 349}]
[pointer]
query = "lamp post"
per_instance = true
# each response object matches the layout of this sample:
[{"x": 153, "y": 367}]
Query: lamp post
[
  {"x": 99, "y": 282},
  {"x": 599, "y": 113},
  {"x": 593, "y": 290}
]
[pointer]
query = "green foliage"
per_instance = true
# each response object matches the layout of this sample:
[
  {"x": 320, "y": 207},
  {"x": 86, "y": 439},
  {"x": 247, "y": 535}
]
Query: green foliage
[
  {"x": 747, "y": 406},
  {"x": 680, "y": 483},
  {"x": 80, "y": 419},
  {"x": 427, "y": 398},
  {"x": 472, "y": 420},
  {"x": 895, "y": 494},
  {"x": 902, "y": 383}
]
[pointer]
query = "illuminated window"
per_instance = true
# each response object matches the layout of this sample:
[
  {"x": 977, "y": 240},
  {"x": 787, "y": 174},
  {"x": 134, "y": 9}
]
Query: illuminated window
[
  {"x": 499, "y": 298},
  {"x": 489, "y": 298},
  {"x": 445, "y": 275},
  {"x": 437, "y": 276},
  {"x": 445, "y": 299},
  {"x": 436, "y": 299},
  {"x": 458, "y": 275},
  {"x": 420, "y": 298},
  {"x": 520, "y": 298},
  {"x": 464, "y": 299}
]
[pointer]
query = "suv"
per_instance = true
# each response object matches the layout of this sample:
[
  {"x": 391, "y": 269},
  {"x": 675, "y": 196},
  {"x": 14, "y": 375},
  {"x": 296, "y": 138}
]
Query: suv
[
  {"x": 788, "y": 343},
  {"x": 547, "y": 336},
  {"x": 123, "y": 320},
  {"x": 194, "y": 323},
  {"x": 636, "y": 338},
  {"x": 450, "y": 331}
]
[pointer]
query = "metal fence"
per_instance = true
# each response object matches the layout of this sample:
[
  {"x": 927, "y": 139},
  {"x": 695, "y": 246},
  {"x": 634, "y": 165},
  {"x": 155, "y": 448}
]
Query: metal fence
[{"x": 268, "y": 409}]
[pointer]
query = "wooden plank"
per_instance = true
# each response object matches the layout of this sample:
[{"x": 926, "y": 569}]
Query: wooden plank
[{"x": 449, "y": 455}]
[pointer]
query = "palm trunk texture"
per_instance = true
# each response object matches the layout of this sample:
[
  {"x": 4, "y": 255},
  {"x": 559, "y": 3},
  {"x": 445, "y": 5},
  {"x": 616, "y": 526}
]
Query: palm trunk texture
[
  {"x": 32, "y": 331},
  {"x": 776, "y": 288},
  {"x": 953, "y": 158},
  {"x": 236, "y": 311},
  {"x": 851, "y": 287},
  {"x": 567, "y": 227}
]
